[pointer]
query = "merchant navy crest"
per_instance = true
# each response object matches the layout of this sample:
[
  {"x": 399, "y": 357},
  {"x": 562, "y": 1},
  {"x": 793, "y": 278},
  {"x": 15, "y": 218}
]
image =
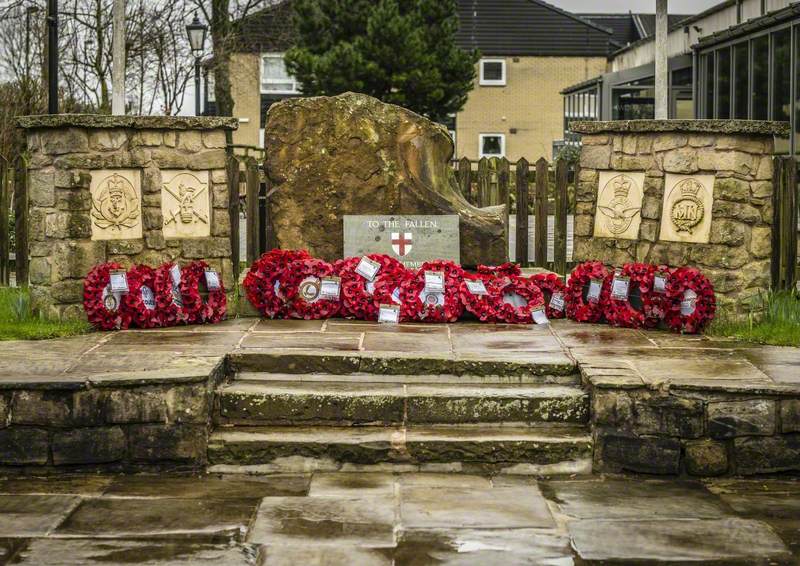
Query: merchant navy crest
[
  {"x": 401, "y": 243},
  {"x": 619, "y": 211},
  {"x": 688, "y": 209},
  {"x": 115, "y": 206}
]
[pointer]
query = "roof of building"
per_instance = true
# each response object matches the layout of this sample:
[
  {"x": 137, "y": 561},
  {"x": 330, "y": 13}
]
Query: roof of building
[
  {"x": 751, "y": 26},
  {"x": 495, "y": 27},
  {"x": 630, "y": 27}
]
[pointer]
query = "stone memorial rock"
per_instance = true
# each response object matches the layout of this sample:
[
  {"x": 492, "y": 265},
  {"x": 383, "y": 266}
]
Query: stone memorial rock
[{"x": 352, "y": 154}]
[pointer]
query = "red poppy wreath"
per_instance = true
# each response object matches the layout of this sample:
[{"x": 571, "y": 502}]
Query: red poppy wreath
[
  {"x": 554, "y": 292},
  {"x": 104, "y": 306},
  {"x": 389, "y": 291},
  {"x": 515, "y": 299},
  {"x": 431, "y": 297},
  {"x": 692, "y": 302},
  {"x": 657, "y": 303},
  {"x": 311, "y": 288},
  {"x": 358, "y": 287},
  {"x": 584, "y": 292},
  {"x": 625, "y": 293},
  {"x": 262, "y": 282},
  {"x": 203, "y": 295},
  {"x": 508, "y": 269},
  {"x": 474, "y": 295},
  {"x": 167, "y": 287},
  {"x": 141, "y": 300}
]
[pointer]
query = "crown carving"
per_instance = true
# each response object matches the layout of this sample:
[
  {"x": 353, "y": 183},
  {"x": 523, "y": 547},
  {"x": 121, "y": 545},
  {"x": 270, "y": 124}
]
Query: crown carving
[
  {"x": 622, "y": 187},
  {"x": 690, "y": 187}
]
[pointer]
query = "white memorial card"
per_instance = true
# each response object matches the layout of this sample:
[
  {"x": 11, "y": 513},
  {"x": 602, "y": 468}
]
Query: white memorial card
[
  {"x": 368, "y": 268},
  {"x": 389, "y": 314},
  {"x": 212, "y": 280},
  {"x": 396, "y": 295},
  {"x": 148, "y": 297},
  {"x": 329, "y": 288},
  {"x": 660, "y": 283},
  {"x": 689, "y": 303},
  {"x": 476, "y": 286},
  {"x": 119, "y": 281},
  {"x": 539, "y": 315},
  {"x": 557, "y": 302},
  {"x": 175, "y": 275},
  {"x": 620, "y": 287},
  {"x": 434, "y": 281},
  {"x": 595, "y": 287}
]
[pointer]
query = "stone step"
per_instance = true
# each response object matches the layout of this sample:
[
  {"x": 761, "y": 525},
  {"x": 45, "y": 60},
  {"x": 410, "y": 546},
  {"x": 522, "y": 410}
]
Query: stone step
[
  {"x": 347, "y": 403},
  {"x": 517, "y": 449},
  {"x": 260, "y": 377}
]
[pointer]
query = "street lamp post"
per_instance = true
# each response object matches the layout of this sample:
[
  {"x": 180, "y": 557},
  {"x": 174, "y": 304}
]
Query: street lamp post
[
  {"x": 197, "y": 38},
  {"x": 52, "y": 57}
]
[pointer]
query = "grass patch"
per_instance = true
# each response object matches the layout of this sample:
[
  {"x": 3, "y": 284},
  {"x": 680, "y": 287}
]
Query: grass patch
[
  {"x": 773, "y": 319},
  {"x": 19, "y": 322}
]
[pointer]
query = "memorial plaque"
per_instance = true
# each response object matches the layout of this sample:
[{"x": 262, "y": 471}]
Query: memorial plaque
[
  {"x": 412, "y": 240},
  {"x": 116, "y": 204},
  {"x": 619, "y": 205},
  {"x": 185, "y": 204},
  {"x": 686, "y": 216}
]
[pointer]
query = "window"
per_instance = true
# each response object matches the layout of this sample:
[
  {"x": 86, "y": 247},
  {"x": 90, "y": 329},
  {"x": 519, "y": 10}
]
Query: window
[
  {"x": 781, "y": 75},
  {"x": 492, "y": 145},
  {"x": 760, "y": 84},
  {"x": 274, "y": 78},
  {"x": 740, "y": 81},
  {"x": 708, "y": 69},
  {"x": 493, "y": 72},
  {"x": 724, "y": 83}
]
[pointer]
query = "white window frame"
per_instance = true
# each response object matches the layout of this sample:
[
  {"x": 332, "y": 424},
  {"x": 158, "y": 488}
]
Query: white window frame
[
  {"x": 502, "y": 145},
  {"x": 262, "y": 80},
  {"x": 493, "y": 82}
]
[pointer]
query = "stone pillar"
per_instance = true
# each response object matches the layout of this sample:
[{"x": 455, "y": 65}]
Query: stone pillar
[
  {"x": 680, "y": 192},
  {"x": 130, "y": 189}
]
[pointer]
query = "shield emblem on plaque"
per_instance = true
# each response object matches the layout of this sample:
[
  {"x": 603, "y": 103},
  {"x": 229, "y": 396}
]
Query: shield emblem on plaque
[{"x": 401, "y": 243}]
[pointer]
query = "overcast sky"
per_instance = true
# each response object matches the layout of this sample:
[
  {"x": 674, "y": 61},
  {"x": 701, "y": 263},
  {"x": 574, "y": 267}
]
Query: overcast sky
[{"x": 675, "y": 6}]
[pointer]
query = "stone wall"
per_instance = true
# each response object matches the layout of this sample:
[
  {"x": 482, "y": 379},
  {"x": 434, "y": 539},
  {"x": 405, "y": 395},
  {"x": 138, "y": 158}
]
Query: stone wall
[
  {"x": 78, "y": 165},
  {"x": 128, "y": 422},
  {"x": 732, "y": 241}
]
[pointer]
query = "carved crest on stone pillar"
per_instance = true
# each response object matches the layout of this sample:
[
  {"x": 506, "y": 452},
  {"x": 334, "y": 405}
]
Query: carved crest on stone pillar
[
  {"x": 619, "y": 204},
  {"x": 185, "y": 203},
  {"x": 686, "y": 216},
  {"x": 116, "y": 204}
]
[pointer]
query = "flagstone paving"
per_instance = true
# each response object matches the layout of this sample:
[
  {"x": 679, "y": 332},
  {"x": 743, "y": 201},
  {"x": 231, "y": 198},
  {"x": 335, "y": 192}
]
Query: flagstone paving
[{"x": 396, "y": 519}]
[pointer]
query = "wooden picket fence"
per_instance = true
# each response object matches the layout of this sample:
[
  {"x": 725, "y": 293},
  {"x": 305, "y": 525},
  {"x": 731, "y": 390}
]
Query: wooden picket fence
[
  {"x": 785, "y": 203},
  {"x": 539, "y": 189},
  {"x": 13, "y": 196},
  {"x": 6, "y": 190}
]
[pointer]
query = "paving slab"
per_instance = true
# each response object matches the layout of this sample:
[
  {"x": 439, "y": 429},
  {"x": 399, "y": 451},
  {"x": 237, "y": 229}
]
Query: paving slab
[
  {"x": 352, "y": 484},
  {"x": 310, "y": 554},
  {"x": 56, "y": 485},
  {"x": 443, "y": 480},
  {"x": 575, "y": 335},
  {"x": 619, "y": 499},
  {"x": 161, "y": 518},
  {"x": 335, "y": 325},
  {"x": 507, "y": 547},
  {"x": 726, "y": 541},
  {"x": 267, "y": 325},
  {"x": 360, "y": 521},
  {"x": 302, "y": 341},
  {"x": 80, "y": 552},
  {"x": 209, "y": 486},
  {"x": 33, "y": 515},
  {"x": 406, "y": 342},
  {"x": 498, "y": 508},
  {"x": 780, "y": 364}
]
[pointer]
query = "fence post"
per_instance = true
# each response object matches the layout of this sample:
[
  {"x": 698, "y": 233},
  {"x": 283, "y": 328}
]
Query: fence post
[
  {"x": 483, "y": 183},
  {"x": 253, "y": 224},
  {"x": 540, "y": 214},
  {"x": 233, "y": 210},
  {"x": 560, "y": 227},
  {"x": 5, "y": 276},
  {"x": 521, "y": 247},
  {"x": 21, "y": 220},
  {"x": 503, "y": 178},
  {"x": 786, "y": 225},
  {"x": 465, "y": 179}
]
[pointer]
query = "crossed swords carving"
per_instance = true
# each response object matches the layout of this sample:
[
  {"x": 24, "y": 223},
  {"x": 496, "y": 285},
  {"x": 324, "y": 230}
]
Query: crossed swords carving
[{"x": 188, "y": 199}]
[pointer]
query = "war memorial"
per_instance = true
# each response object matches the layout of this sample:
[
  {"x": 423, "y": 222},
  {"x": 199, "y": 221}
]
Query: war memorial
[{"x": 384, "y": 387}]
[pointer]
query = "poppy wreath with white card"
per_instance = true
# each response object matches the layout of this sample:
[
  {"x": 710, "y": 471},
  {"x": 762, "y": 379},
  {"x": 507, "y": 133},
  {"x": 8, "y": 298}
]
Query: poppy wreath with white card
[
  {"x": 474, "y": 295},
  {"x": 358, "y": 275},
  {"x": 692, "y": 302},
  {"x": 656, "y": 304},
  {"x": 584, "y": 291},
  {"x": 262, "y": 282},
  {"x": 104, "y": 306},
  {"x": 203, "y": 295},
  {"x": 555, "y": 294},
  {"x": 506, "y": 269},
  {"x": 440, "y": 304},
  {"x": 515, "y": 299},
  {"x": 625, "y": 293},
  {"x": 312, "y": 289},
  {"x": 141, "y": 300},
  {"x": 389, "y": 291},
  {"x": 169, "y": 302}
]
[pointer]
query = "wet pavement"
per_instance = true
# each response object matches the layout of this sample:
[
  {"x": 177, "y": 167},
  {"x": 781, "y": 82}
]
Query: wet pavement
[{"x": 402, "y": 519}]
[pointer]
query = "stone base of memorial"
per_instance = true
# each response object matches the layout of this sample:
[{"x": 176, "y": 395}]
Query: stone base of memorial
[
  {"x": 129, "y": 189},
  {"x": 682, "y": 193}
]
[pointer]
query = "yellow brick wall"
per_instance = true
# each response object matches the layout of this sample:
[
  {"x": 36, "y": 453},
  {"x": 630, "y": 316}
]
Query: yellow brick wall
[
  {"x": 530, "y": 102},
  {"x": 246, "y": 92}
]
